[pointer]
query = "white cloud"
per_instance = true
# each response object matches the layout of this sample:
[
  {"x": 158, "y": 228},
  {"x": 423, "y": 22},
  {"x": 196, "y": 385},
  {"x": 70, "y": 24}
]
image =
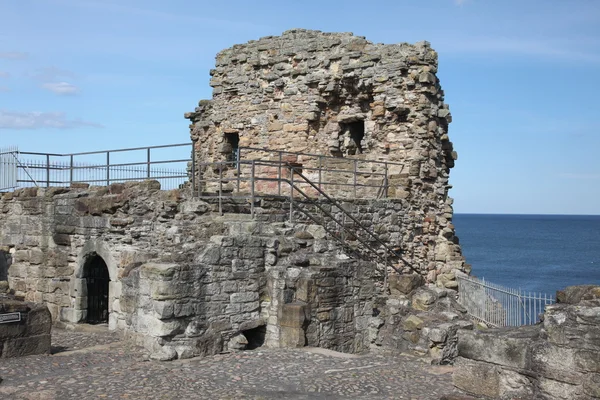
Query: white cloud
[
  {"x": 62, "y": 88},
  {"x": 40, "y": 120},
  {"x": 13, "y": 55}
]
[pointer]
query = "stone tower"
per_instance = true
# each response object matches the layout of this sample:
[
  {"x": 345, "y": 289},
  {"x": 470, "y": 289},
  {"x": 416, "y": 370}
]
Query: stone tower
[{"x": 339, "y": 95}]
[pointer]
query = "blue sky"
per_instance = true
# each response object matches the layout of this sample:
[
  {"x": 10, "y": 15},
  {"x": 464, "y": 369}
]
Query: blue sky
[{"x": 521, "y": 78}]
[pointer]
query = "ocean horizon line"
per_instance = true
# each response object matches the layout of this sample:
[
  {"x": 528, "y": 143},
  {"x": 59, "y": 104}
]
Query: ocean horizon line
[{"x": 526, "y": 214}]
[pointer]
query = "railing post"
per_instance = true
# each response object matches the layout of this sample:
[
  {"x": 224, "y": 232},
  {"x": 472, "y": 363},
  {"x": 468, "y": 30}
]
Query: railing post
[
  {"x": 385, "y": 181},
  {"x": 107, "y": 168},
  {"x": 291, "y": 194},
  {"x": 320, "y": 169},
  {"x": 279, "y": 175},
  {"x": 385, "y": 271},
  {"x": 71, "y": 170},
  {"x": 252, "y": 188},
  {"x": 47, "y": 170},
  {"x": 148, "y": 164},
  {"x": 355, "y": 171},
  {"x": 194, "y": 170},
  {"x": 239, "y": 168},
  {"x": 220, "y": 189}
]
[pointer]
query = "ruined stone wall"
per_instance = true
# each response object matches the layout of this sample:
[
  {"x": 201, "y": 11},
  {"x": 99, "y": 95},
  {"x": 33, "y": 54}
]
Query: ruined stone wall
[
  {"x": 28, "y": 335},
  {"x": 302, "y": 92},
  {"x": 309, "y": 91},
  {"x": 183, "y": 277},
  {"x": 557, "y": 359},
  {"x": 331, "y": 94}
]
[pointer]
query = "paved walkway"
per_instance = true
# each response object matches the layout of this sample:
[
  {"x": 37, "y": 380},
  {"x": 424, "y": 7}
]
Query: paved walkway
[{"x": 95, "y": 365}]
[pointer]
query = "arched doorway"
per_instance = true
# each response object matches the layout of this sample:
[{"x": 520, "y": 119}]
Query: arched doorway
[
  {"x": 97, "y": 279},
  {"x": 3, "y": 265}
]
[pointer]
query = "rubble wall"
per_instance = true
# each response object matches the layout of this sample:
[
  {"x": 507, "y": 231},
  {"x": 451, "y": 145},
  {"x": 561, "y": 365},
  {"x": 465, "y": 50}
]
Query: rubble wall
[
  {"x": 335, "y": 95},
  {"x": 186, "y": 278},
  {"x": 557, "y": 359}
]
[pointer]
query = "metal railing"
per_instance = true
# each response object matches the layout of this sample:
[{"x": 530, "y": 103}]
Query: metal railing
[
  {"x": 294, "y": 186},
  {"x": 9, "y": 158},
  {"x": 23, "y": 169},
  {"x": 341, "y": 177},
  {"x": 500, "y": 306}
]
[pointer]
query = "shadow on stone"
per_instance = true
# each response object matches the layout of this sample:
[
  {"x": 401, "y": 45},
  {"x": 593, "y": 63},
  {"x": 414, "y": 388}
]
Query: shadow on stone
[
  {"x": 255, "y": 337},
  {"x": 58, "y": 349}
]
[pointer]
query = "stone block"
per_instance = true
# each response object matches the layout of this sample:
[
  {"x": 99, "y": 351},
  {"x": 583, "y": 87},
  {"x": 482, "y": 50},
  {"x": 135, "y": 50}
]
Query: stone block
[
  {"x": 405, "y": 284},
  {"x": 163, "y": 309},
  {"x": 290, "y": 337},
  {"x": 555, "y": 362},
  {"x": 587, "y": 360},
  {"x": 30, "y": 335},
  {"x": 243, "y": 297},
  {"x": 477, "y": 378},
  {"x": 424, "y": 299},
  {"x": 591, "y": 385},
  {"x": 553, "y": 389},
  {"x": 167, "y": 290},
  {"x": 158, "y": 271},
  {"x": 575, "y": 294},
  {"x": 80, "y": 303},
  {"x": 515, "y": 386},
  {"x": 412, "y": 323},
  {"x": 438, "y": 334},
  {"x": 68, "y": 314},
  {"x": 496, "y": 348},
  {"x": 294, "y": 315},
  {"x": 158, "y": 328},
  {"x": 25, "y": 346}
]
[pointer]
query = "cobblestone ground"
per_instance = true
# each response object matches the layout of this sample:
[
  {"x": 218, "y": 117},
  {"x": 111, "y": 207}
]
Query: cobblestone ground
[{"x": 95, "y": 365}]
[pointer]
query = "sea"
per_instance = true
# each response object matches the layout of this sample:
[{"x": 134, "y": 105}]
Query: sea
[{"x": 536, "y": 253}]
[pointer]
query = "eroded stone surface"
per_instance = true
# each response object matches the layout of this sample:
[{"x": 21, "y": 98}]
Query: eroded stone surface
[
  {"x": 29, "y": 333},
  {"x": 185, "y": 279},
  {"x": 336, "y": 94},
  {"x": 556, "y": 359}
]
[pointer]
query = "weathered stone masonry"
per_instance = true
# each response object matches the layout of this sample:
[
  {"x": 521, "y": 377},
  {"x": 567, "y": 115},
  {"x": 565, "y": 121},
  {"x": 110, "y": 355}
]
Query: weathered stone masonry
[
  {"x": 557, "y": 359},
  {"x": 182, "y": 276},
  {"x": 309, "y": 91},
  {"x": 186, "y": 280}
]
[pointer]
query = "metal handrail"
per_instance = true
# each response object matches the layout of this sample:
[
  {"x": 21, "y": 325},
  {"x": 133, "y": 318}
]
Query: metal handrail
[
  {"x": 356, "y": 221},
  {"x": 381, "y": 188},
  {"x": 293, "y": 172},
  {"x": 66, "y": 169},
  {"x": 107, "y": 151},
  {"x": 498, "y": 305},
  {"x": 318, "y": 156}
]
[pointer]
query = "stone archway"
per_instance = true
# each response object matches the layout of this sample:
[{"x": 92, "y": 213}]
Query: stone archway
[
  {"x": 94, "y": 249},
  {"x": 4, "y": 264},
  {"x": 95, "y": 273}
]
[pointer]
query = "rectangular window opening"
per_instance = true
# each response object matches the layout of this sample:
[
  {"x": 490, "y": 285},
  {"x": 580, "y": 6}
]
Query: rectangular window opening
[
  {"x": 356, "y": 132},
  {"x": 233, "y": 147}
]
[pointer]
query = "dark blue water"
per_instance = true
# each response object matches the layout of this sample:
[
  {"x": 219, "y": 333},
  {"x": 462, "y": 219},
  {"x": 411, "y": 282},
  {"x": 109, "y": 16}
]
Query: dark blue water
[{"x": 541, "y": 253}]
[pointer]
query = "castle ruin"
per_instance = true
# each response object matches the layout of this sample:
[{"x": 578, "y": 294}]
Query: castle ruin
[{"x": 360, "y": 128}]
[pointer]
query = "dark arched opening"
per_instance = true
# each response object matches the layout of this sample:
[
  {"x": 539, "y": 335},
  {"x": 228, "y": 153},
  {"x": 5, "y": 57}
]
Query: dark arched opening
[
  {"x": 97, "y": 279},
  {"x": 4, "y": 263}
]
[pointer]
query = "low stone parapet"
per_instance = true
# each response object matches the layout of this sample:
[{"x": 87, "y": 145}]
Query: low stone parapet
[{"x": 557, "y": 359}]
